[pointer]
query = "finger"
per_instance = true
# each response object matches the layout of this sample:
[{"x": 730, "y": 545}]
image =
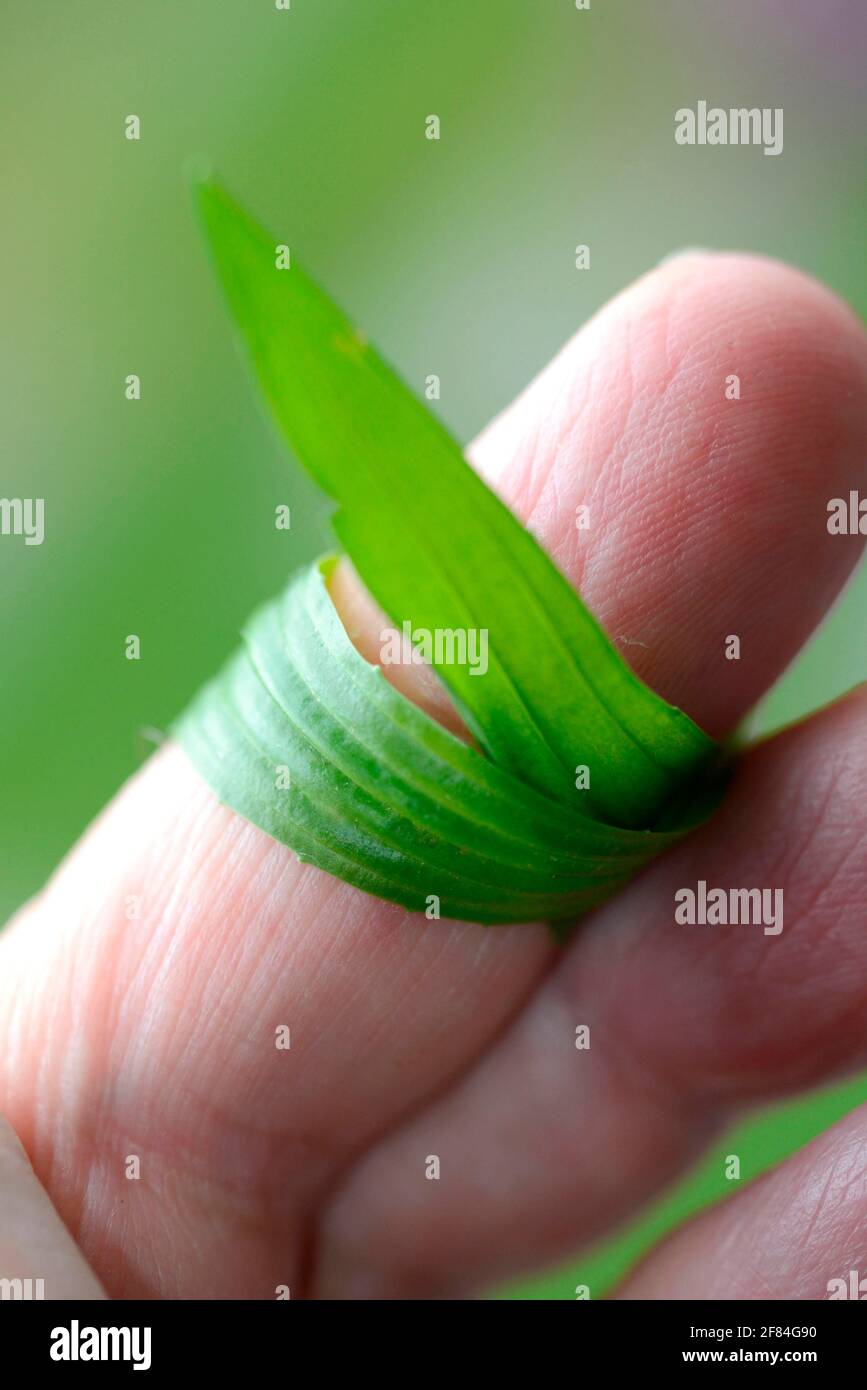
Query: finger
[
  {"x": 545, "y": 1144},
  {"x": 799, "y": 1232},
  {"x": 38, "y": 1258},
  {"x": 701, "y": 508},
  {"x": 177, "y": 937}
]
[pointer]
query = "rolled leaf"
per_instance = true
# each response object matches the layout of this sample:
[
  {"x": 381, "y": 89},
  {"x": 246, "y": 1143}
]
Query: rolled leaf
[{"x": 306, "y": 739}]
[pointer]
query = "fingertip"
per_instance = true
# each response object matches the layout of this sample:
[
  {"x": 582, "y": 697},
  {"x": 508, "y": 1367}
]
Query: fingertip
[{"x": 702, "y": 421}]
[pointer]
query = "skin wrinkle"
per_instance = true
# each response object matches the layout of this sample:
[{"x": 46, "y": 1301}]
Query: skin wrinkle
[
  {"x": 351, "y": 1157},
  {"x": 163, "y": 955},
  {"x": 446, "y": 1081},
  {"x": 809, "y": 820},
  {"x": 601, "y": 927},
  {"x": 853, "y": 1161},
  {"x": 605, "y": 1187},
  {"x": 351, "y": 1001},
  {"x": 639, "y": 1072},
  {"x": 726, "y": 1251},
  {"x": 827, "y": 881},
  {"x": 764, "y": 1288},
  {"x": 329, "y": 942},
  {"x": 819, "y": 1206},
  {"x": 745, "y": 509},
  {"x": 167, "y": 971},
  {"x": 569, "y": 409},
  {"x": 33, "y": 1242},
  {"x": 733, "y": 1260},
  {"x": 786, "y": 871},
  {"x": 444, "y": 938},
  {"x": 343, "y": 1171},
  {"x": 778, "y": 958},
  {"x": 831, "y": 936}
]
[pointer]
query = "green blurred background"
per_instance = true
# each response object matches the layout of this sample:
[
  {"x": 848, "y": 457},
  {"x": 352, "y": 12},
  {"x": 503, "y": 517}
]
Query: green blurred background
[{"x": 457, "y": 257}]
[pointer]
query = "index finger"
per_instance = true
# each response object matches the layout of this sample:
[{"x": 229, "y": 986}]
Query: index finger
[{"x": 696, "y": 503}]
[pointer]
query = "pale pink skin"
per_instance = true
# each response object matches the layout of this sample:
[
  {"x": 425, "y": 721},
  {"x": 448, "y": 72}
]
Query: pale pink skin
[{"x": 306, "y": 1167}]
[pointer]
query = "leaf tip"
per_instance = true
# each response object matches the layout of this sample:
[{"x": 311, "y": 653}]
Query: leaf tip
[{"x": 198, "y": 171}]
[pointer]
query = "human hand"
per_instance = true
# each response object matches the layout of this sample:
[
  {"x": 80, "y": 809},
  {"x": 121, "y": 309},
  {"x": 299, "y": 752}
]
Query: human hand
[{"x": 141, "y": 992}]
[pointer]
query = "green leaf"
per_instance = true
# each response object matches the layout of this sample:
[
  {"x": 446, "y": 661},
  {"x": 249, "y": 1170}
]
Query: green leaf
[{"x": 380, "y": 794}]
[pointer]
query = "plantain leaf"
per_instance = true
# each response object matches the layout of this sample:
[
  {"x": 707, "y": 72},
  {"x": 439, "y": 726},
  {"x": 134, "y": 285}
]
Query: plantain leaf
[{"x": 307, "y": 740}]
